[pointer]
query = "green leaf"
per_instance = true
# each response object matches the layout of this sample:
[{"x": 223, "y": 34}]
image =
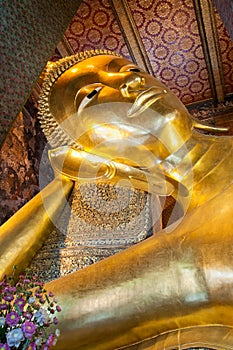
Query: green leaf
[
  {"x": 18, "y": 309},
  {"x": 26, "y": 344},
  {"x": 2, "y": 335}
]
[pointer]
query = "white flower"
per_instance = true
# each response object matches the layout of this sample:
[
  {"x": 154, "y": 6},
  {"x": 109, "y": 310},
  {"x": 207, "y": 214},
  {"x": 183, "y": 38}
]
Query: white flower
[
  {"x": 41, "y": 317},
  {"x": 38, "y": 341},
  {"x": 31, "y": 300},
  {"x": 57, "y": 332}
]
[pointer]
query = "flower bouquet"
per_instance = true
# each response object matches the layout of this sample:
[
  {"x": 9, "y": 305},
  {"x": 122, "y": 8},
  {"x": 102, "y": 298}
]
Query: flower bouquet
[{"x": 26, "y": 313}]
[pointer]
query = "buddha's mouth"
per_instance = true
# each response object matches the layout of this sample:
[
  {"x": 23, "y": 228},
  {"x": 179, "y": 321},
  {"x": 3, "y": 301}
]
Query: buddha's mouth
[{"x": 144, "y": 100}]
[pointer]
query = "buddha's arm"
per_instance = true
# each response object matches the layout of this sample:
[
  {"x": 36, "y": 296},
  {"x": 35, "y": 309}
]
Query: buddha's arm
[
  {"x": 24, "y": 233},
  {"x": 84, "y": 166},
  {"x": 173, "y": 281}
]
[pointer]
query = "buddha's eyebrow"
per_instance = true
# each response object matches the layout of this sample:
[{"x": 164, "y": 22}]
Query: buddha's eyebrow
[{"x": 115, "y": 65}]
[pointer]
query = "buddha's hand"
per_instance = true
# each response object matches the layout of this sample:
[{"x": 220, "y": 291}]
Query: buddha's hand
[{"x": 83, "y": 166}]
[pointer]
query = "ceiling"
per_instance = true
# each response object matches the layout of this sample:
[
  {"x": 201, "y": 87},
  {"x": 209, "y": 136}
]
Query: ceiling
[{"x": 182, "y": 42}]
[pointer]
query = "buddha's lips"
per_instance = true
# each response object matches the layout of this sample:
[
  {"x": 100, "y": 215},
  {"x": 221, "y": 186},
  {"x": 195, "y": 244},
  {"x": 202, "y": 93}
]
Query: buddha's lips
[{"x": 144, "y": 100}]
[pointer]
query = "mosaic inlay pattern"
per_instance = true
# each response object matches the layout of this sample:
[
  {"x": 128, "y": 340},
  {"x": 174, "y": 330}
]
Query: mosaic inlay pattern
[
  {"x": 98, "y": 222},
  {"x": 170, "y": 35},
  {"x": 20, "y": 161},
  {"x": 94, "y": 27},
  {"x": 226, "y": 46}
]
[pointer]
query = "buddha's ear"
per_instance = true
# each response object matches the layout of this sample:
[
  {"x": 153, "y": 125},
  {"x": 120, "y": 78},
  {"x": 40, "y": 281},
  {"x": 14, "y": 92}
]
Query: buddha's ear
[{"x": 202, "y": 126}]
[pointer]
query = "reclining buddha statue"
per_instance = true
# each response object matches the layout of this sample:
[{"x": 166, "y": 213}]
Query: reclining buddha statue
[{"x": 108, "y": 121}]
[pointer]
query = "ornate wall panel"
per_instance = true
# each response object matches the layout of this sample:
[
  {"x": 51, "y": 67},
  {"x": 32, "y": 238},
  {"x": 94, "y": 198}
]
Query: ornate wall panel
[
  {"x": 226, "y": 46},
  {"x": 94, "y": 27},
  {"x": 170, "y": 35},
  {"x": 30, "y": 31},
  {"x": 20, "y": 161}
]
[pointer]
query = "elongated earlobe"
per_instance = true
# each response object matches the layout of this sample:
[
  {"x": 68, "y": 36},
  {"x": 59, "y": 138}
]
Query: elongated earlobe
[{"x": 201, "y": 126}]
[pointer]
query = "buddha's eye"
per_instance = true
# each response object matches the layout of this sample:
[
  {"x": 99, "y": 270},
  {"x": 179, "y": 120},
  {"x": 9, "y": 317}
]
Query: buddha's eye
[
  {"x": 134, "y": 70},
  {"x": 92, "y": 93},
  {"x": 86, "y": 94},
  {"x": 130, "y": 68}
]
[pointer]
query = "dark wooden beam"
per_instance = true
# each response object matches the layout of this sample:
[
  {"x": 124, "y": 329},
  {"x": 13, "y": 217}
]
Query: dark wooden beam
[
  {"x": 131, "y": 35},
  {"x": 210, "y": 43}
]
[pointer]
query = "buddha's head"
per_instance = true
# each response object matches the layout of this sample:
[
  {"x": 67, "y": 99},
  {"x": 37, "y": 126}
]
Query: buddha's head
[
  {"x": 98, "y": 97},
  {"x": 100, "y": 102}
]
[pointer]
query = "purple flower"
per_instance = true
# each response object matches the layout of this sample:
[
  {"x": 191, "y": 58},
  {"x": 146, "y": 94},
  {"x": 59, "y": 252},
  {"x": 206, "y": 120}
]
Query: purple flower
[
  {"x": 26, "y": 280},
  {"x": 20, "y": 303},
  {"x": 4, "y": 346},
  {"x": 15, "y": 337},
  {"x": 58, "y": 308},
  {"x": 32, "y": 346},
  {"x": 12, "y": 318},
  {"x": 3, "y": 307},
  {"x": 51, "y": 294},
  {"x": 19, "y": 284},
  {"x": 27, "y": 315},
  {"x": 55, "y": 320},
  {"x": 8, "y": 297},
  {"x": 50, "y": 340},
  {"x": 28, "y": 329},
  {"x": 38, "y": 295}
]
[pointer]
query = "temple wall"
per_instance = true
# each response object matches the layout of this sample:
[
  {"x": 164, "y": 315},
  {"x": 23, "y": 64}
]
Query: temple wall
[{"x": 30, "y": 31}]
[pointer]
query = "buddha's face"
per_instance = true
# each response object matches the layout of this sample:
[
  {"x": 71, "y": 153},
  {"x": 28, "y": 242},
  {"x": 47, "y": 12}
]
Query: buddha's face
[{"x": 108, "y": 104}]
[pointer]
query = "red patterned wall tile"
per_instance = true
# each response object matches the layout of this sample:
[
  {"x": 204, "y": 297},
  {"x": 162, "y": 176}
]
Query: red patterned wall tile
[
  {"x": 169, "y": 32},
  {"x": 94, "y": 27}
]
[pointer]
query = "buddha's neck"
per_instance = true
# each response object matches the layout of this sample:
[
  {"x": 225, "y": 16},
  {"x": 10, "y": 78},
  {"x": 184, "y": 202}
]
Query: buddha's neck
[{"x": 203, "y": 164}]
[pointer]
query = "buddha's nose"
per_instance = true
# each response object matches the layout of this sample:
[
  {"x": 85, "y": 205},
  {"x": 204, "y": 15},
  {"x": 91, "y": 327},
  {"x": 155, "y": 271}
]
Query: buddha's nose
[{"x": 132, "y": 85}]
